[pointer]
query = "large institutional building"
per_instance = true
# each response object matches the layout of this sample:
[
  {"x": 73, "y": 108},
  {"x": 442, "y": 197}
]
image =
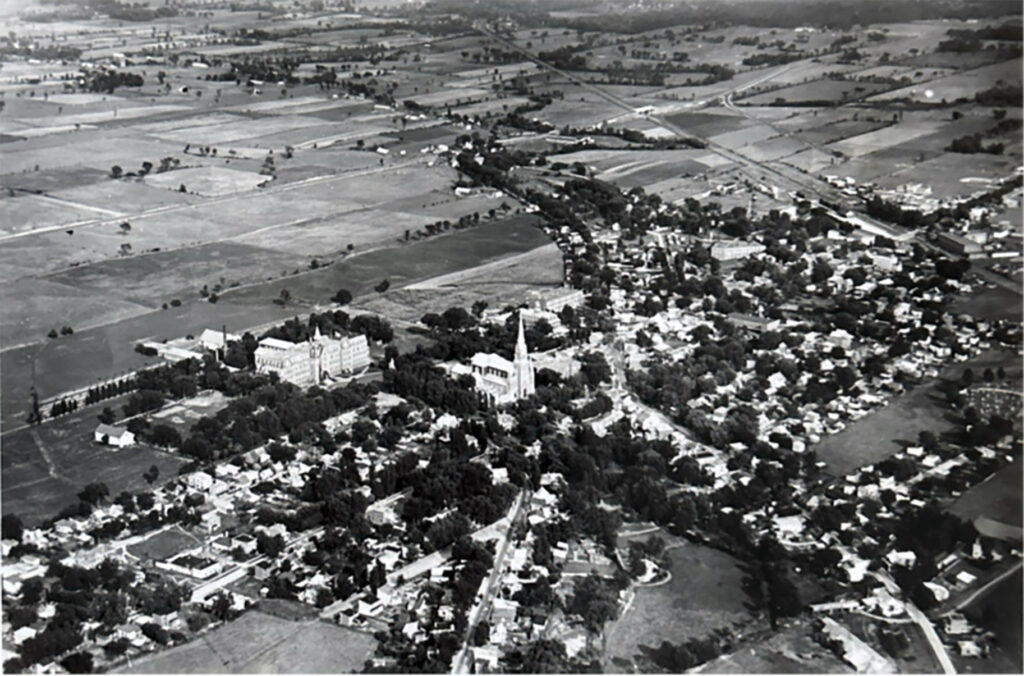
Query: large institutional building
[
  {"x": 502, "y": 381},
  {"x": 314, "y": 362}
]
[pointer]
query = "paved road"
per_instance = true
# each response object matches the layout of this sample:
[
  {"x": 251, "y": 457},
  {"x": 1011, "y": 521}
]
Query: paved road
[
  {"x": 459, "y": 665},
  {"x": 981, "y": 590},
  {"x": 922, "y": 621}
]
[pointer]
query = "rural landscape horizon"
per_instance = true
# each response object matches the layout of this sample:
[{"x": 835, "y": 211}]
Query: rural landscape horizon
[{"x": 515, "y": 336}]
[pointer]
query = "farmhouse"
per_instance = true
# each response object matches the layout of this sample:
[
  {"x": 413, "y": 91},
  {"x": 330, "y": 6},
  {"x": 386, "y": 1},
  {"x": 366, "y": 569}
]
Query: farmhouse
[{"x": 112, "y": 435}]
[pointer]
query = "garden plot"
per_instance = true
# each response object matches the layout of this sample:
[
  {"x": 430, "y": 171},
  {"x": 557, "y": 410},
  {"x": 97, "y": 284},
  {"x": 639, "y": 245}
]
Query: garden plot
[
  {"x": 208, "y": 181},
  {"x": 961, "y": 85}
]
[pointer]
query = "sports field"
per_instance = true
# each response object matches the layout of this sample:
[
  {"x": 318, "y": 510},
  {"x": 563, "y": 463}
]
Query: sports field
[{"x": 259, "y": 643}]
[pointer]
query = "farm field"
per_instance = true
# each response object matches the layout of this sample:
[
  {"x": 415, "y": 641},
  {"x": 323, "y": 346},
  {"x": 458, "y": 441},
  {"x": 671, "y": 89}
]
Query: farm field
[
  {"x": 81, "y": 359},
  {"x": 831, "y": 91},
  {"x": 502, "y": 282},
  {"x": 261, "y": 643},
  {"x": 403, "y": 264},
  {"x": 33, "y": 307},
  {"x": 208, "y": 181},
  {"x": 960, "y": 85},
  {"x": 703, "y": 594},
  {"x": 883, "y": 432},
  {"x": 45, "y": 467},
  {"x": 882, "y": 139}
]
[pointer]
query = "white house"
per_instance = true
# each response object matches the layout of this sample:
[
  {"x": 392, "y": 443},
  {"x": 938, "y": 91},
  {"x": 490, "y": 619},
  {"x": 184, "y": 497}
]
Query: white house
[{"x": 112, "y": 435}]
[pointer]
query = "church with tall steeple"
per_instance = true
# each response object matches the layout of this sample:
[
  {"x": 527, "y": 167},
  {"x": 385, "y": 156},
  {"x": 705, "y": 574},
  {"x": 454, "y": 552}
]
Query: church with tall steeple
[{"x": 502, "y": 381}]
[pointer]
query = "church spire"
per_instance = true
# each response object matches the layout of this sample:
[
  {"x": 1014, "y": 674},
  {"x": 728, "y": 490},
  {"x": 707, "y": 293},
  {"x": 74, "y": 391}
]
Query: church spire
[{"x": 522, "y": 353}]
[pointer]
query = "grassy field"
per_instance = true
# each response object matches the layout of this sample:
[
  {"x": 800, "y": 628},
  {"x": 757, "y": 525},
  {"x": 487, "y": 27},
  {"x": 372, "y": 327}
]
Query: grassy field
[
  {"x": 181, "y": 416},
  {"x": 261, "y": 643},
  {"x": 157, "y": 278},
  {"x": 999, "y": 498},
  {"x": 45, "y": 467},
  {"x": 208, "y": 181},
  {"x": 883, "y": 432},
  {"x": 164, "y": 545},
  {"x": 991, "y": 304},
  {"x": 34, "y": 306},
  {"x": 703, "y": 594}
]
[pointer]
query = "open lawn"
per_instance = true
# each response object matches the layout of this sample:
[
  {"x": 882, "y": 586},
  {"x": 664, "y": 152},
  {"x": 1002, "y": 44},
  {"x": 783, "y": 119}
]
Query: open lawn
[
  {"x": 886, "y": 430},
  {"x": 260, "y": 643},
  {"x": 45, "y": 467},
  {"x": 703, "y": 594}
]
